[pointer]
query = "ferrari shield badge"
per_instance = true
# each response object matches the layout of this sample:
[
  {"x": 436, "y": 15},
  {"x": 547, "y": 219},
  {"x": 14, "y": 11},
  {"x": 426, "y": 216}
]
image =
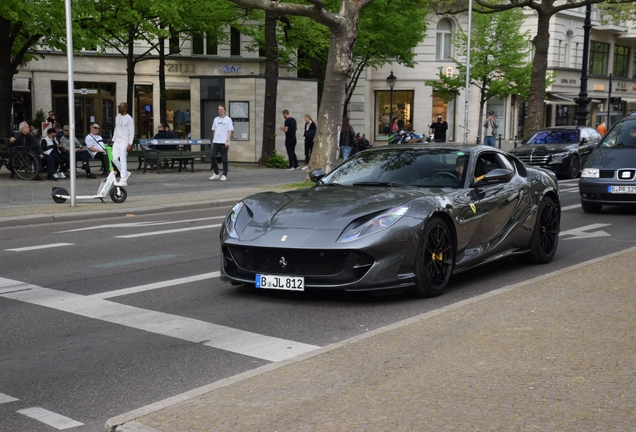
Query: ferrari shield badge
[
  {"x": 283, "y": 238},
  {"x": 473, "y": 208}
]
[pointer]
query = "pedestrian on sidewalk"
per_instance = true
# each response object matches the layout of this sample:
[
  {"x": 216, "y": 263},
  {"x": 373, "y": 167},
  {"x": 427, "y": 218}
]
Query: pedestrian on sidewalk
[
  {"x": 290, "y": 128},
  {"x": 347, "y": 139},
  {"x": 123, "y": 138},
  {"x": 222, "y": 128},
  {"x": 310, "y": 134},
  {"x": 81, "y": 153},
  {"x": 490, "y": 129},
  {"x": 438, "y": 129},
  {"x": 97, "y": 147},
  {"x": 25, "y": 138}
]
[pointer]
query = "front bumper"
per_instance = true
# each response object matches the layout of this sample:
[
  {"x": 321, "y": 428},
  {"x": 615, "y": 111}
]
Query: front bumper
[{"x": 596, "y": 191}]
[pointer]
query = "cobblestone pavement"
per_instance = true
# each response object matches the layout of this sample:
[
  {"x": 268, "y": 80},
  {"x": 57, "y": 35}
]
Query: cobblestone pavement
[{"x": 557, "y": 353}]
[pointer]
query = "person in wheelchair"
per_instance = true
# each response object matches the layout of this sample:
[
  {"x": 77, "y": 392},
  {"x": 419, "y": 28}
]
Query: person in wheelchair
[{"x": 25, "y": 139}]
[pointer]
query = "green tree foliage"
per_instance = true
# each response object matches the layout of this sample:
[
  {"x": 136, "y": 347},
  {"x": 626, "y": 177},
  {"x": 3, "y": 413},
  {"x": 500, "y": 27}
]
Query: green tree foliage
[
  {"x": 25, "y": 25},
  {"x": 497, "y": 59}
]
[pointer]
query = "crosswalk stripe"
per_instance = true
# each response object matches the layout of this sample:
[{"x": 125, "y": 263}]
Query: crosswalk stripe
[
  {"x": 155, "y": 285},
  {"x": 6, "y": 398},
  {"x": 192, "y": 330},
  {"x": 47, "y": 246},
  {"x": 168, "y": 231},
  {"x": 50, "y": 418},
  {"x": 570, "y": 207}
]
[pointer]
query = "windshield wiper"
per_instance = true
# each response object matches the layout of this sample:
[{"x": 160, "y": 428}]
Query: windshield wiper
[{"x": 379, "y": 184}]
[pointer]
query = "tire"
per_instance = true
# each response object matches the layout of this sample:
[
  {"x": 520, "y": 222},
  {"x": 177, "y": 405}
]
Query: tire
[
  {"x": 118, "y": 194},
  {"x": 435, "y": 259},
  {"x": 545, "y": 236},
  {"x": 573, "y": 171},
  {"x": 24, "y": 164},
  {"x": 589, "y": 207},
  {"x": 59, "y": 191}
]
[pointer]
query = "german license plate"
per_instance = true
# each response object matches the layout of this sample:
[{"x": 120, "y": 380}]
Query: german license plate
[
  {"x": 621, "y": 189},
  {"x": 290, "y": 283}
]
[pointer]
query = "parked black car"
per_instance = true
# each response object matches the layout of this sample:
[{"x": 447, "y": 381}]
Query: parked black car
[
  {"x": 562, "y": 149},
  {"x": 609, "y": 177}
]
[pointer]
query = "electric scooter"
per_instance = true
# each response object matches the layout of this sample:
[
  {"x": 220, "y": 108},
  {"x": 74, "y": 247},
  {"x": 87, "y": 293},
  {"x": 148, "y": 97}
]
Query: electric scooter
[{"x": 107, "y": 187}]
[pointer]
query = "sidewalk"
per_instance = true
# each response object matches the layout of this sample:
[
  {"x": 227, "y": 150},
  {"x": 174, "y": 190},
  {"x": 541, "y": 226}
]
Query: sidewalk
[
  {"x": 30, "y": 202},
  {"x": 556, "y": 353}
]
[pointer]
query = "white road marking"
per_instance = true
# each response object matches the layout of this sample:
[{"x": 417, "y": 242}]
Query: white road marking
[
  {"x": 30, "y": 248},
  {"x": 156, "y": 285},
  {"x": 571, "y": 190},
  {"x": 140, "y": 224},
  {"x": 6, "y": 398},
  {"x": 176, "y": 230},
  {"x": 188, "y": 329},
  {"x": 50, "y": 418},
  {"x": 570, "y": 207},
  {"x": 581, "y": 233}
]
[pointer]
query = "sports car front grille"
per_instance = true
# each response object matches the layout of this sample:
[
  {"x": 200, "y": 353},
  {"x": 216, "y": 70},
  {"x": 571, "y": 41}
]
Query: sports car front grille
[
  {"x": 302, "y": 262},
  {"x": 535, "y": 159}
]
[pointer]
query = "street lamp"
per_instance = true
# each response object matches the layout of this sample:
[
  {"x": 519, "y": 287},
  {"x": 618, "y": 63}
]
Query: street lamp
[
  {"x": 390, "y": 81},
  {"x": 583, "y": 101}
]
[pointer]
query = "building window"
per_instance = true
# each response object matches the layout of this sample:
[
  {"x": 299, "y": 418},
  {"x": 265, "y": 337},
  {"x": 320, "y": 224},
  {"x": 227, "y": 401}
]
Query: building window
[
  {"x": 444, "y": 47},
  {"x": 235, "y": 42},
  {"x": 599, "y": 58},
  {"x": 173, "y": 42},
  {"x": 567, "y": 53},
  {"x": 204, "y": 44},
  {"x": 402, "y": 110},
  {"x": 621, "y": 61}
]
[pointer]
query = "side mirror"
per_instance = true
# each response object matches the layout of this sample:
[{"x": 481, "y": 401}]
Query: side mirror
[
  {"x": 317, "y": 174},
  {"x": 583, "y": 141},
  {"x": 499, "y": 175}
]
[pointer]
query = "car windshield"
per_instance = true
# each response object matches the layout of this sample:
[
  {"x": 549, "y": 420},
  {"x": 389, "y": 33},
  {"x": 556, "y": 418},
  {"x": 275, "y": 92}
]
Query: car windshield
[
  {"x": 621, "y": 135},
  {"x": 555, "y": 136},
  {"x": 394, "y": 167}
]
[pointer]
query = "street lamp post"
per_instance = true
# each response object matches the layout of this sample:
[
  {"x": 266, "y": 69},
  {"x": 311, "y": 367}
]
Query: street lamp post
[
  {"x": 583, "y": 101},
  {"x": 390, "y": 81}
]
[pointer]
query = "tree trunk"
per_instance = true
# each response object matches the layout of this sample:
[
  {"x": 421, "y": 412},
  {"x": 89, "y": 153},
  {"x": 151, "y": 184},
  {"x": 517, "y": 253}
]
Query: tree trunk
[
  {"x": 326, "y": 142},
  {"x": 162, "y": 81},
  {"x": 6, "y": 83},
  {"x": 130, "y": 70},
  {"x": 536, "y": 103},
  {"x": 271, "y": 86}
]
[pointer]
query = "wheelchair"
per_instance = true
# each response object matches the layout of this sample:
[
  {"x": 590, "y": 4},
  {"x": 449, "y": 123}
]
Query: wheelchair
[{"x": 23, "y": 162}]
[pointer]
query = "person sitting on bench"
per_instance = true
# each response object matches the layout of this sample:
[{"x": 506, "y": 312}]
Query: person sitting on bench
[{"x": 96, "y": 147}]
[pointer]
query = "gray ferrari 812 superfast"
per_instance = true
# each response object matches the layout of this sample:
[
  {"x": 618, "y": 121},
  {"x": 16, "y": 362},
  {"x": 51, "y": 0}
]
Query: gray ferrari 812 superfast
[{"x": 394, "y": 217}]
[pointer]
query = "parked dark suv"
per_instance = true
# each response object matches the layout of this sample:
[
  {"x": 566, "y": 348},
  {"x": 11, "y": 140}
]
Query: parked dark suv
[
  {"x": 562, "y": 149},
  {"x": 609, "y": 178}
]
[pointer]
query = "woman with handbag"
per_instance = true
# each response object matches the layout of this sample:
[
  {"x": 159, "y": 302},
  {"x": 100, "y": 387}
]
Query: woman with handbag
[{"x": 310, "y": 134}]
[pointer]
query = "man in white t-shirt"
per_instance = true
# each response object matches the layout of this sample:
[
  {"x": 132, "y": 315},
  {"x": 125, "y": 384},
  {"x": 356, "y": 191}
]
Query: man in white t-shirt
[
  {"x": 122, "y": 142},
  {"x": 222, "y": 128},
  {"x": 96, "y": 147}
]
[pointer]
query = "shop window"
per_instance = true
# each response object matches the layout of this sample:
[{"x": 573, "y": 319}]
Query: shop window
[
  {"x": 402, "y": 110},
  {"x": 203, "y": 44},
  {"x": 599, "y": 58},
  {"x": 235, "y": 42},
  {"x": 621, "y": 61},
  {"x": 178, "y": 112},
  {"x": 443, "y": 48}
]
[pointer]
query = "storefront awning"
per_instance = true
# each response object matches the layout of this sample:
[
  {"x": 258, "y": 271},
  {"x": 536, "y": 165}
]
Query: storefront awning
[
  {"x": 628, "y": 100},
  {"x": 559, "y": 99}
]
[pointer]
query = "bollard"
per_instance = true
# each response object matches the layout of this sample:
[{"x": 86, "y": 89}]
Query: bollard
[
  {"x": 499, "y": 141},
  {"x": 516, "y": 141}
]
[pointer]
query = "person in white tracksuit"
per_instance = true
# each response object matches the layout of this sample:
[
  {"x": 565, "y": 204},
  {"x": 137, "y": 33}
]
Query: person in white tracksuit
[{"x": 122, "y": 142}]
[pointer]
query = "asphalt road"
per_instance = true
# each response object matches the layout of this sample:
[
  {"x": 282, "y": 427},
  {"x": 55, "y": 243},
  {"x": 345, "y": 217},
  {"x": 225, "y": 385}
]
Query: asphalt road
[{"x": 123, "y": 310}]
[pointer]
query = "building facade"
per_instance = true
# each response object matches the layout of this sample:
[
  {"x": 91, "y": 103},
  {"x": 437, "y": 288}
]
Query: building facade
[{"x": 201, "y": 76}]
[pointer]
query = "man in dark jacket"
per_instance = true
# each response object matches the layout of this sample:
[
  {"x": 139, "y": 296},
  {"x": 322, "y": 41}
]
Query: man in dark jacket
[{"x": 24, "y": 138}]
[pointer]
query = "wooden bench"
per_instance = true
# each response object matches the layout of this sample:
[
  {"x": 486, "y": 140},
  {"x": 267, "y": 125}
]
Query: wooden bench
[{"x": 152, "y": 154}]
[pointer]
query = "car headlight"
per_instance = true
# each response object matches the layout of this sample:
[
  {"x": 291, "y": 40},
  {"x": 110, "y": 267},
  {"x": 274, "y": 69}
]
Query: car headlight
[
  {"x": 230, "y": 220},
  {"x": 378, "y": 223},
  {"x": 590, "y": 173},
  {"x": 560, "y": 155}
]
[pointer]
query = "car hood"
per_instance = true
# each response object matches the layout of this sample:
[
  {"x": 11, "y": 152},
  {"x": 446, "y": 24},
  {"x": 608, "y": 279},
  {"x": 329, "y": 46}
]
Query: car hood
[
  {"x": 326, "y": 207},
  {"x": 527, "y": 149},
  {"x": 612, "y": 158}
]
